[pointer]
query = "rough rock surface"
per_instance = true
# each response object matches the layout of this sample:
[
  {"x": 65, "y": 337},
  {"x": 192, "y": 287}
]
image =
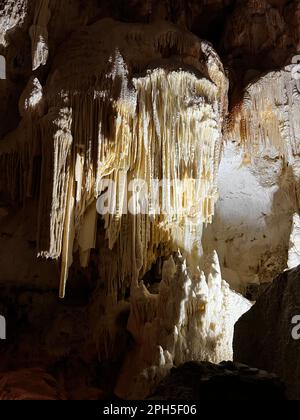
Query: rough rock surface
[
  {"x": 224, "y": 382},
  {"x": 29, "y": 384},
  {"x": 263, "y": 336}
]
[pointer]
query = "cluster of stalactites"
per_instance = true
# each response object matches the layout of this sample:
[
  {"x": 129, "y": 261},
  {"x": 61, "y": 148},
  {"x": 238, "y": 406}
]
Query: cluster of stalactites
[
  {"x": 165, "y": 129},
  {"x": 109, "y": 125},
  {"x": 174, "y": 136},
  {"x": 269, "y": 114}
]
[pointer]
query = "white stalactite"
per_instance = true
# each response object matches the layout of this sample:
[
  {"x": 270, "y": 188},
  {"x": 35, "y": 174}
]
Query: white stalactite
[
  {"x": 39, "y": 34},
  {"x": 269, "y": 114},
  {"x": 12, "y": 15},
  {"x": 119, "y": 110}
]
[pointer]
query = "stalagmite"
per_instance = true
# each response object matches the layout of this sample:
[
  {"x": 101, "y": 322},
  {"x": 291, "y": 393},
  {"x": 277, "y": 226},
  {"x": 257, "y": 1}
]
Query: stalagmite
[{"x": 191, "y": 318}]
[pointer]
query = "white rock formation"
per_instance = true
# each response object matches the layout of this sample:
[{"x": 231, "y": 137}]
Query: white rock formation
[
  {"x": 39, "y": 34},
  {"x": 252, "y": 222},
  {"x": 12, "y": 15},
  {"x": 269, "y": 113},
  {"x": 294, "y": 248},
  {"x": 105, "y": 123},
  {"x": 191, "y": 318},
  {"x": 32, "y": 99},
  {"x": 259, "y": 178}
]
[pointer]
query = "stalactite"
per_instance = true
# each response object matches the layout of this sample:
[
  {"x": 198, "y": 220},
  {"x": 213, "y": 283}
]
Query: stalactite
[
  {"x": 12, "y": 15},
  {"x": 19, "y": 148},
  {"x": 56, "y": 213},
  {"x": 39, "y": 34},
  {"x": 115, "y": 117},
  {"x": 269, "y": 114}
]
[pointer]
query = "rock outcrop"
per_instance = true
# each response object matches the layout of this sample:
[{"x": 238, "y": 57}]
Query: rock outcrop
[
  {"x": 29, "y": 385},
  {"x": 224, "y": 382},
  {"x": 267, "y": 335}
]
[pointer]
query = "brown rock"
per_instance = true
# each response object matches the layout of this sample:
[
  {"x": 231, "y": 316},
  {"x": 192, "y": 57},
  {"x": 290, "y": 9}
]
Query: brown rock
[
  {"x": 29, "y": 384},
  {"x": 263, "y": 336}
]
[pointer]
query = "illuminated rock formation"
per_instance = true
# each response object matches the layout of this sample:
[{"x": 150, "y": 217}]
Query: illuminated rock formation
[
  {"x": 39, "y": 34},
  {"x": 191, "y": 318},
  {"x": 13, "y": 13},
  {"x": 294, "y": 248},
  {"x": 253, "y": 217},
  {"x": 107, "y": 123},
  {"x": 269, "y": 112}
]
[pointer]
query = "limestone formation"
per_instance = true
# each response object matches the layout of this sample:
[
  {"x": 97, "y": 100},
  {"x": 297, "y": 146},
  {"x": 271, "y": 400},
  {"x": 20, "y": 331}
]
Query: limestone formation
[
  {"x": 191, "y": 318},
  {"x": 13, "y": 14},
  {"x": 294, "y": 249},
  {"x": 135, "y": 123},
  {"x": 269, "y": 113},
  {"x": 39, "y": 34},
  {"x": 267, "y": 336}
]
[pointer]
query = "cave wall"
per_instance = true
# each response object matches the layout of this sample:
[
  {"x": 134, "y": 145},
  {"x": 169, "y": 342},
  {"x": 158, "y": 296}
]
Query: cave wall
[{"x": 74, "y": 66}]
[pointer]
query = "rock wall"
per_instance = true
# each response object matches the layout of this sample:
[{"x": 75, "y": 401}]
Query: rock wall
[
  {"x": 224, "y": 382},
  {"x": 264, "y": 336}
]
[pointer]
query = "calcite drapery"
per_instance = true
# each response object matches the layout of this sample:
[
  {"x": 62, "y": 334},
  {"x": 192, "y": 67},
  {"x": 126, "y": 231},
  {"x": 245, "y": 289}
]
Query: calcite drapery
[
  {"x": 147, "y": 101},
  {"x": 269, "y": 113}
]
